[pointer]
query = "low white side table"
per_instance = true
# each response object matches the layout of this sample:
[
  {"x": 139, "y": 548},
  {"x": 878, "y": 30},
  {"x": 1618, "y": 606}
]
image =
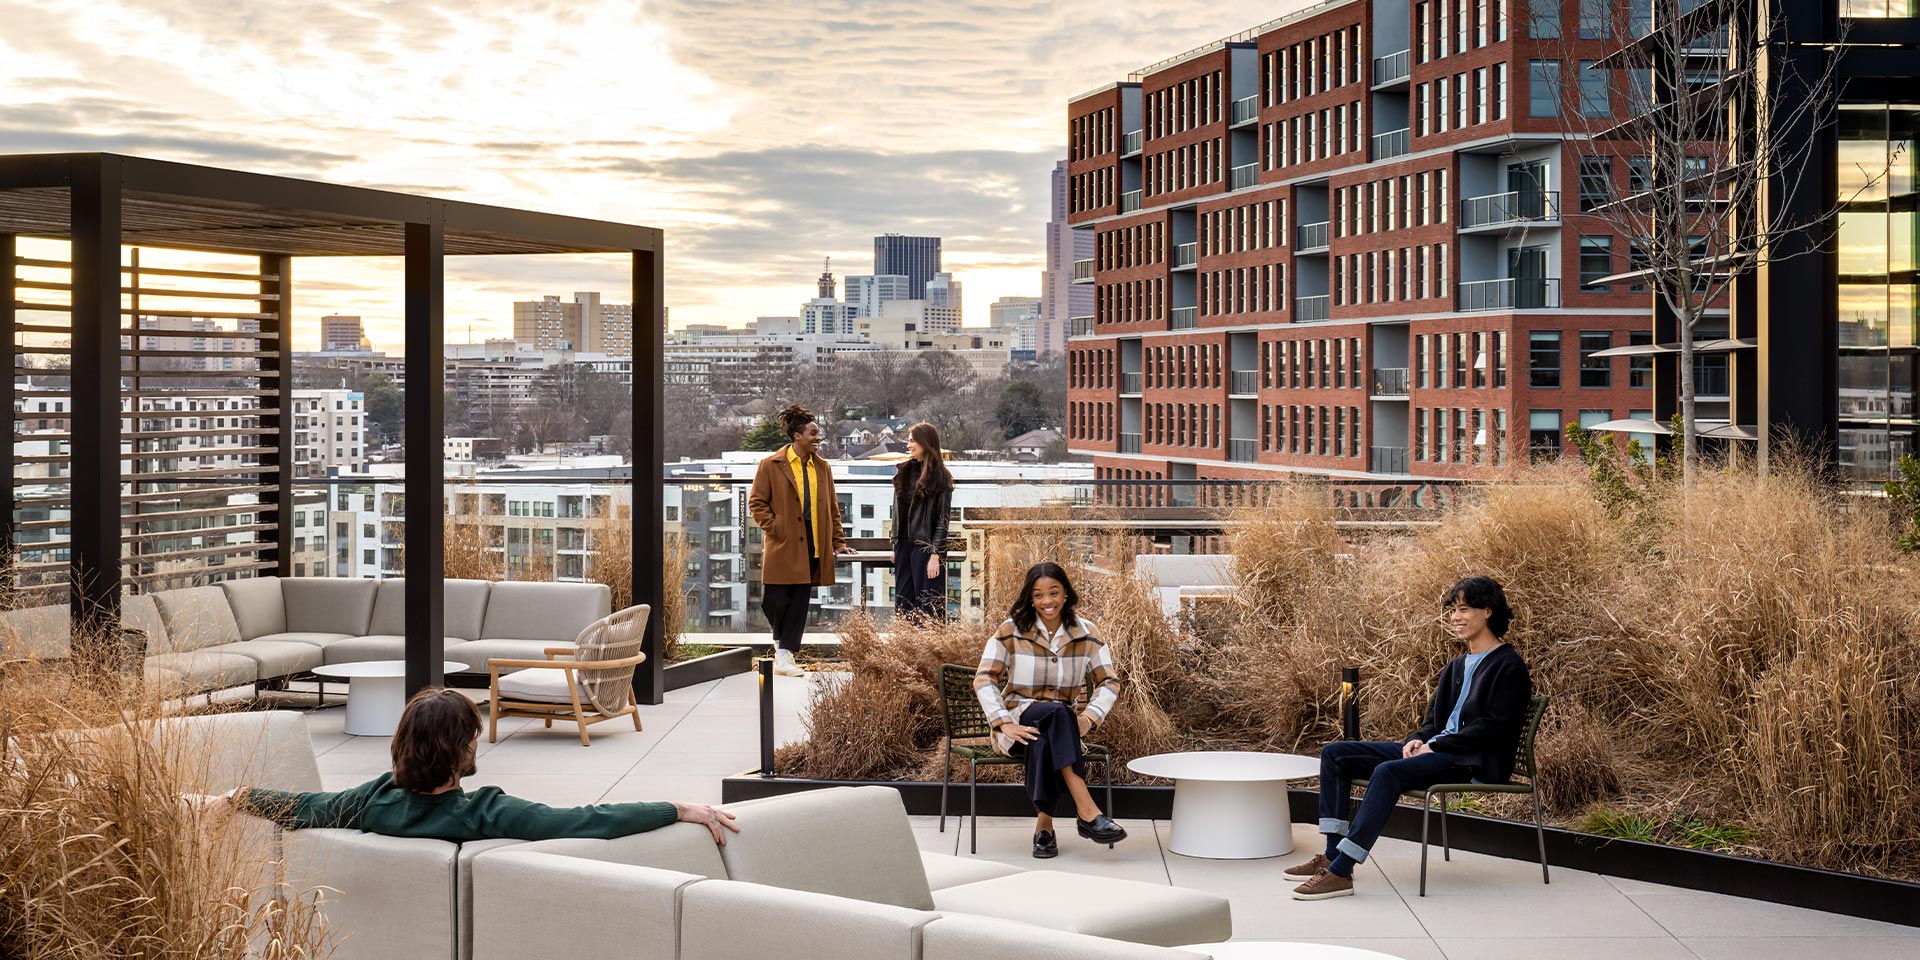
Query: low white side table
[
  {"x": 377, "y": 693},
  {"x": 1229, "y": 804},
  {"x": 1282, "y": 950}
]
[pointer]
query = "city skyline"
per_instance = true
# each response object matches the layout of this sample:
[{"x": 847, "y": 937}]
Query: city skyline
[{"x": 763, "y": 157}]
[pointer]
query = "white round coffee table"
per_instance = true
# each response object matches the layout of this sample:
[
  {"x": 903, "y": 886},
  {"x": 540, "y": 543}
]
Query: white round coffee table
[
  {"x": 1278, "y": 949},
  {"x": 377, "y": 693},
  {"x": 1229, "y": 804}
]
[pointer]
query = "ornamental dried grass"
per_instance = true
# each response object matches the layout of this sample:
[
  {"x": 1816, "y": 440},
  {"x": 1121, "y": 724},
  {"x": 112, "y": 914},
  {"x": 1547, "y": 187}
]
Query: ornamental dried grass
[{"x": 100, "y": 857}]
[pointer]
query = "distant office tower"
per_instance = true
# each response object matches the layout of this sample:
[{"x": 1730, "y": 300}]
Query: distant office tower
[
  {"x": 826, "y": 280},
  {"x": 342, "y": 333},
  {"x": 944, "y": 291},
  {"x": 916, "y": 258},
  {"x": 585, "y": 325},
  {"x": 1061, "y": 298},
  {"x": 866, "y": 293}
]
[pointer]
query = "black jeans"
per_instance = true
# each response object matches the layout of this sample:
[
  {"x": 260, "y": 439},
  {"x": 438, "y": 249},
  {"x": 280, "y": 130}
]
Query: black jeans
[
  {"x": 913, "y": 591},
  {"x": 1057, "y": 747},
  {"x": 785, "y": 605}
]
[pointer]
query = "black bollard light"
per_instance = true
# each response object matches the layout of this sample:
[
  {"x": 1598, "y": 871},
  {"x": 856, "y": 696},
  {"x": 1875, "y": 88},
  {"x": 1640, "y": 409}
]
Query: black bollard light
[
  {"x": 1350, "y": 703},
  {"x": 766, "y": 716}
]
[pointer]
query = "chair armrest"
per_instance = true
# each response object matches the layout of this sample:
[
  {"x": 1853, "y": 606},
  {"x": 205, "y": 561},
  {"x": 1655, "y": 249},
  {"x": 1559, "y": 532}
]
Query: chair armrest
[
  {"x": 552, "y": 652},
  {"x": 495, "y": 663}
]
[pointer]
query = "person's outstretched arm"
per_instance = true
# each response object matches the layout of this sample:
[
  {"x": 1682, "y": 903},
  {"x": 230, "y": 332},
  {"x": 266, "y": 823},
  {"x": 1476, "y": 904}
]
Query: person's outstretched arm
[
  {"x": 497, "y": 814},
  {"x": 301, "y": 811}
]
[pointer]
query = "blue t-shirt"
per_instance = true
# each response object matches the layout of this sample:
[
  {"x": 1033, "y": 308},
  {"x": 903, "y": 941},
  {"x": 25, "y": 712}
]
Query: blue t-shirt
[{"x": 1466, "y": 684}]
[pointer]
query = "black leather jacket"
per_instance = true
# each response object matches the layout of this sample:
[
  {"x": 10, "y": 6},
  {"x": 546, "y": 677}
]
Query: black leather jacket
[{"x": 917, "y": 520}]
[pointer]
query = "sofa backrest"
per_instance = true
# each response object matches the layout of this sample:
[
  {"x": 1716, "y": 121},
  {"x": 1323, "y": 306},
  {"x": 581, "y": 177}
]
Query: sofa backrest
[
  {"x": 550, "y": 612},
  {"x": 258, "y": 608},
  {"x": 463, "y": 605},
  {"x": 142, "y": 613},
  {"x": 328, "y": 604},
  {"x": 845, "y": 841},
  {"x": 680, "y": 847},
  {"x": 269, "y": 749},
  {"x": 970, "y": 938},
  {"x": 730, "y": 920},
  {"x": 383, "y": 897},
  {"x": 37, "y": 633},
  {"x": 197, "y": 617},
  {"x": 530, "y": 904}
]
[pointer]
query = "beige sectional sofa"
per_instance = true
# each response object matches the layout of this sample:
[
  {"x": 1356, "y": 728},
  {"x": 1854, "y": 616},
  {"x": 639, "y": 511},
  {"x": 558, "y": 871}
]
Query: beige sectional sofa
[
  {"x": 830, "y": 873},
  {"x": 263, "y": 629}
]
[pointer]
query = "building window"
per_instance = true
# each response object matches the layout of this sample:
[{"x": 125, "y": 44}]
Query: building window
[
  {"x": 1543, "y": 434},
  {"x": 1499, "y": 359},
  {"x": 1595, "y": 96},
  {"x": 1595, "y": 371},
  {"x": 1639, "y": 174},
  {"x": 1543, "y": 88},
  {"x": 1543, "y": 358},
  {"x": 1596, "y": 262},
  {"x": 1640, "y": 368},
  {"x": 1596, "y": 182},
  {"x": 1543, "y": 19},
  {"x": 1594, "y": 21}
]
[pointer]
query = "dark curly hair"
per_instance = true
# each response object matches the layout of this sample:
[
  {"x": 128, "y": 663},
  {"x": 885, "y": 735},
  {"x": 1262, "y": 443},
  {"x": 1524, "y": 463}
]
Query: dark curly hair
[
  {"x": 1482, "y": 593},
  {"x": 1024, "y": 615},
  {"x": 795, "y": 419},
  {"x": 433, "y": 744}
]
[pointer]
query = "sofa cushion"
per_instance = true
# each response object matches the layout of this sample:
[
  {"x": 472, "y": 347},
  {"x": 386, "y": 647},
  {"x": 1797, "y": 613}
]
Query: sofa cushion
[
  {"x": 276, "y": 658},
  {"x": 257, "y": 606},
  {"x": 540, "y": 686},
  {"x": 310, "y": 639},
  {"x": 382, "y": 897},
  {"x": 197, "y": 617},
  {"x": 141, "y": 613},
  {"x": 328, "y": 605},
  {"x": 202, "y": 671},
  {"x": 730, "y": 920},
  {"x": 476, "y": 654},
  {"x": 541, "y": 905},
  {"x": 970, "y": 938},
  {"x": 845, "y": 841},
  {"x": 269, "y": 749},
  {"x": 544, "y": 611},
  {"x": 463, "y": 605},
  {"x": 681, "y": 847},
  {"x": 361, "y": 649},
  {"x": 37, "y": 633},
  {"x": 947, "y": 871},
  {"x": 1151, "y": 913}
]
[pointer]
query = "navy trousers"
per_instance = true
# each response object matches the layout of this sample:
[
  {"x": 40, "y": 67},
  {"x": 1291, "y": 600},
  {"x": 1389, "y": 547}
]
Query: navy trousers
[
  {"x": 913, "y": 591},
  {"x": 1379, "y": 763},
  {"x": 1057, "y": 747}
]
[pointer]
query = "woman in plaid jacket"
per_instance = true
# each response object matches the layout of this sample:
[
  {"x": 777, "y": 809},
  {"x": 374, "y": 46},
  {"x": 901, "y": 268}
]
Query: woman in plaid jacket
[{"x": 1043, "y": 654}]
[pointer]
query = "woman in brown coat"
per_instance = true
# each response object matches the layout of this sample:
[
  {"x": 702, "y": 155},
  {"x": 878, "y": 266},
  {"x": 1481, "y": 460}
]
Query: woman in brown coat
[{"x": 793, "y": 502}]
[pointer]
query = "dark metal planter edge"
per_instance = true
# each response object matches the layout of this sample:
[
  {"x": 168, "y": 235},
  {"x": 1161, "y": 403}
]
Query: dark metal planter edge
[
  {"x": 1829, "y": 891},
  {"x": 713, "y": 666}
]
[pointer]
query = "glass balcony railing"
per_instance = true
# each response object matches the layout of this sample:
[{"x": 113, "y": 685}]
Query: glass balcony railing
[
  {"x": 1387, "y": 459},
  {"x": 1130, "y": 201},
  {"x": 1245, "y": 110},
  {"x": 1183, "y": 318},
  {"x": 1130, "y": 383},
  {"x": 1079, "y": 326},
  {"x": 1185, "y": 255},
  {"x": 1243, "y": 450},
  {"x": 1083, "y": 271},
  {"x": 1245, "y": 383},
  {"x": 1313, "y": 236},
  {"x": 1392, "y": 68},
  {"x": 1308, "y": 309},
  {"x": 1244, "y": 176},
  {"x": 1129, "y": 443},
  {"x": 1132, "y": 142},
  {"x": 1526, "y": 206},
  {"x": 1393, "y": 143},
  {"x": 1390, "y": 381},
  {"x": 1509, "y": 294}
]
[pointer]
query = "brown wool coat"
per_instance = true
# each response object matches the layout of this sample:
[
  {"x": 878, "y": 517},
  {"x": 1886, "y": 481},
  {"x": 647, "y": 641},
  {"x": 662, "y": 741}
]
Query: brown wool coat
[{"x": 774, "y": 502}]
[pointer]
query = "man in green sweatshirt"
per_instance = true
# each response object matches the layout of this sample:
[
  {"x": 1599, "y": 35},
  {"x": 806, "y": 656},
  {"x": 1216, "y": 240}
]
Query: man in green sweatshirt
[{"x": 433, "y": 747}]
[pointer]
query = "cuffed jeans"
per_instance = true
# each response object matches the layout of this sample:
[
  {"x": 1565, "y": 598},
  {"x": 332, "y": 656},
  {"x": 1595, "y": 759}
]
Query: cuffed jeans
[
  {"x": 1387, "y": 775},
  {"x": 1057, "y": 747}
]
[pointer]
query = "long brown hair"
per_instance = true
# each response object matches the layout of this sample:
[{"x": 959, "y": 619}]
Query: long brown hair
[
  {"x": 935, "y": 478},
  {"x": 434, "y": 741}
]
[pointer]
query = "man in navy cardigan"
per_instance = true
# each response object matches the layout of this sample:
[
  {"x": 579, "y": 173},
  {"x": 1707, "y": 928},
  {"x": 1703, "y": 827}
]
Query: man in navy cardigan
[{"x": 1471, "y": 733}]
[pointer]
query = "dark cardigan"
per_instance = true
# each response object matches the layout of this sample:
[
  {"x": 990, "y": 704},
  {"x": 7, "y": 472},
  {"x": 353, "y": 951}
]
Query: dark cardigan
[{"x": 1491, "y": 719}]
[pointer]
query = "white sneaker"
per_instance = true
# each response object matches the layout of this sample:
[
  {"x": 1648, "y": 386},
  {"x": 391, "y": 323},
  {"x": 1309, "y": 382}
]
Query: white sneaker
[{"x": 783, "y": 664}]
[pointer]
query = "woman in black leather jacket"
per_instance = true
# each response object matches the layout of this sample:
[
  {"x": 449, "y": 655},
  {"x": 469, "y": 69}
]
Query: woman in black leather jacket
[{"x": 922, "y": 499}]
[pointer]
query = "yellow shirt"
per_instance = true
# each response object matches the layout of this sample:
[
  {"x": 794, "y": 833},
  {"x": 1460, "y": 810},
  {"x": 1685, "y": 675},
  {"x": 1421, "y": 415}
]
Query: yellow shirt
[{"x": 801, "y": 484}]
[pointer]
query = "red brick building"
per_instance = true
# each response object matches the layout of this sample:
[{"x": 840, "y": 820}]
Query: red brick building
[{"x": 1351, "y": 242}]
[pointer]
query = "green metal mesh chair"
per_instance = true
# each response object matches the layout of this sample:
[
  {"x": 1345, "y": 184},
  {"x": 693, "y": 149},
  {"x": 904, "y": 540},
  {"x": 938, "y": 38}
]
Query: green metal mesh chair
[
  {"x": 962, "y": 718},
  {"x": 1523, "y": 766}
]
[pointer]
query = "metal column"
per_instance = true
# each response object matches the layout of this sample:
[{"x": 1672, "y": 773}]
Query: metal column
[
  {"x": 424, "y": 448},
  {"x": 649, "y": 462},
  {"x": 8, "y": 250},
  {"x": 279, "y": 504},
  {"x": 95, "y": 425}
]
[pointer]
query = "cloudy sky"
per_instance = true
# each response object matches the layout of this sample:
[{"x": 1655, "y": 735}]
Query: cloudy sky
[{"x": 761, "y": 136}]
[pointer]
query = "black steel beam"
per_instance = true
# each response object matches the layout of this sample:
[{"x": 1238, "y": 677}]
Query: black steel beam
[
  {"x": 279, "y": 504},
  {"x": 425, "y": 452},
  {"x": 94, "y": 213},
  {"x": 8, "y": 250},
  {"x": 649, "y": 465}
]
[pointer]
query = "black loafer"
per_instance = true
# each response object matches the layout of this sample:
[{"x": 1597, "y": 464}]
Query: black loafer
[
  {"x": 1044, "y": 846},
  {"x": 1102, "y": 829}
]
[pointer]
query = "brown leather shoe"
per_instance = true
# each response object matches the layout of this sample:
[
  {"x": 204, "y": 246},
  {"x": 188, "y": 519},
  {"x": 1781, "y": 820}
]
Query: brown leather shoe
[
  {"x": 1311, "y": 867},
  {"x": 1325, "y": 885}
]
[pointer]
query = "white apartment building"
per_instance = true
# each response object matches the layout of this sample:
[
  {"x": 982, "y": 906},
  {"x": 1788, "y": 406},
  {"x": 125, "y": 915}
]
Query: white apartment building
[
  {"x": 329, "y": 432},
  {"x": 866, "y": 292}
]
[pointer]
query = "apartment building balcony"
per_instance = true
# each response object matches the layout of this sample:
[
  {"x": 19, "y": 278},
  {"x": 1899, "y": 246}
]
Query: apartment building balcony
[
  {"x": 1079, "y": 326},
  {"x": 1308, "y": 309},
  {"x": 1243, "y": 176},
  {"x": 1083, "y": 271},
  {"x": 1186, "y": 255},
  {"x": 1387, "y": 459},
  {"x": 1129, "y": 443},
  {"x": 1392, "y": 70},
  {"x": 1243, "y": 450},
  {"x": 1393, "y": 143},
  {"x": 1130, "y": 384},
  {"x": 1245, "y": 110},
  {"x": 1132, "y": 142},
  {"x": 1244, "y": 383},
  {"x": 1500, "y": 211},
  {"x": 1183, "y": 318},
  {"x": 1510, "y": 294},
  {"x": 1389, "y": 382},
  {"x": 1313, "y": 237},
  {"x": 1130, "y": 201}
]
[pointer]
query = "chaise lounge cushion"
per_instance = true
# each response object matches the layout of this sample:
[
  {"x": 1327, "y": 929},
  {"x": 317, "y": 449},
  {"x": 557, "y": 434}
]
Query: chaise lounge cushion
[
  {"x": 539, "y": 686},
  {"x": 381, "y": 647},
  {"x": 258, "y": 608},
  {"x": 197, "y": 617},
  {"x": 731, "y": 920},
  {"x": 276, "y": 658},
  {"x": 944, "y": 871},
  {"x": 1150, "y": 913},
  {"x": 846, "y": 841},
  {"x": 555, "y": 612},
  {"x": 463, "y": 608},
  {"x": 971, "y": 938},
  {"x": 328, "y": 605}
]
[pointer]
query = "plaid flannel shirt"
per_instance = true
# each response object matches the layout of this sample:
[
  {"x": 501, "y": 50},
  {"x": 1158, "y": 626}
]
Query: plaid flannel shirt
[{"x": 1037, "y": 666}]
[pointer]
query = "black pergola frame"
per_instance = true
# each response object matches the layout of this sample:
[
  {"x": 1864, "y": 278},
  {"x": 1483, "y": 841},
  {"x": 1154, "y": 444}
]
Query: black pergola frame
[{"x": 100, "y": 202}]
